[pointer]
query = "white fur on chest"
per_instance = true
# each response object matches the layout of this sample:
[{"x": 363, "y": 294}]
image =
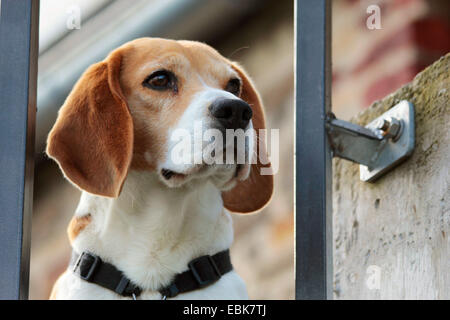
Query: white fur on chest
[{"x": 151, "y": 232}]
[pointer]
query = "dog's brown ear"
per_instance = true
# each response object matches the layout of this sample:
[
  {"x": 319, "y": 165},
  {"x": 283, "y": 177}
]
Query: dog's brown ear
[
  {"x": 92, "y": 139},
  {"x": 255, "y": 192}
]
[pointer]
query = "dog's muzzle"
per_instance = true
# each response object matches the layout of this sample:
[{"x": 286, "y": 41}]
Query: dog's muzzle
[{"x": 231, "y": 113}]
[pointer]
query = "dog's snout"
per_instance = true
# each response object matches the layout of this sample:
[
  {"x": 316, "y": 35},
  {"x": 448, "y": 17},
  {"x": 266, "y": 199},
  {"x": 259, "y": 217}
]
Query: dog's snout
[{"x": 231, "y": 113}]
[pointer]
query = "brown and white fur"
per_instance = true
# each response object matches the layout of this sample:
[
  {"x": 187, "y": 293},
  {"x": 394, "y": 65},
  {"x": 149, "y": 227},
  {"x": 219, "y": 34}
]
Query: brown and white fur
[{"x": 112, "y": 140}]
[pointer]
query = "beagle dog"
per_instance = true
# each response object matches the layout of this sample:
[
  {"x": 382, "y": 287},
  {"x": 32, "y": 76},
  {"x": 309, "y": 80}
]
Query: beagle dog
[{"x": 141, "y": 213}]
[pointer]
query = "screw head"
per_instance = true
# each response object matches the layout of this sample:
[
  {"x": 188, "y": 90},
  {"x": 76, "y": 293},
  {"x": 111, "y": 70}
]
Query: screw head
[
  {"x": 390, "y": 127},
  {"x": 395, "y": 129}
]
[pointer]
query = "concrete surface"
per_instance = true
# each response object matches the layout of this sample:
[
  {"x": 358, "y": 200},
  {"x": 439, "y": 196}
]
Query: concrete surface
[{"x": 391, "y": 237}]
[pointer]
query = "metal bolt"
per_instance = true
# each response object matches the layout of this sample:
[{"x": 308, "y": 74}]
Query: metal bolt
[
  {"x": 383, "y": 125},
  {"x": 391, "y": 127}
]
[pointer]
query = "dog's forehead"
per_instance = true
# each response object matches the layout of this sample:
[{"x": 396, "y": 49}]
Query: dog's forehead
[{"x": 183, "y": 56}]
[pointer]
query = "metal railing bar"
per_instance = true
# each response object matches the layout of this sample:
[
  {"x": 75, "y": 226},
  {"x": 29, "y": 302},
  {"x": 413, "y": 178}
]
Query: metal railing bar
[
  {"x": 19, "y": 23},
  {"x": 313, "y": 229}
]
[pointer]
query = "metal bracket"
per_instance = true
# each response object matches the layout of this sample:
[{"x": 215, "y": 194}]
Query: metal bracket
[{"x": 377, "y": 147}]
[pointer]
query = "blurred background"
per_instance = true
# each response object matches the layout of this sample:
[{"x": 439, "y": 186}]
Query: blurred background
[{"x": 368, "y": 64}]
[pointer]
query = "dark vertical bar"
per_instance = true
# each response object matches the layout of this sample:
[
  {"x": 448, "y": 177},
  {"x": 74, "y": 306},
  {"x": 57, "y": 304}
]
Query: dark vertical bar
[
  {"x": 314, "y": 258},
  {"x": 19, "y": 21}
]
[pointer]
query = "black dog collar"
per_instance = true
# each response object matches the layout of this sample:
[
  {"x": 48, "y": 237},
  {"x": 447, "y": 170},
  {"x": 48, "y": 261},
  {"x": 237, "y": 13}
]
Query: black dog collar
[{"x": 202, "y": 272}]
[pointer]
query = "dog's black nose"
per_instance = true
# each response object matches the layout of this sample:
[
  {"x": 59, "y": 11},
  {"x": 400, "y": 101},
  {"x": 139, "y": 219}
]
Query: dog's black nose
[{"x": 231, "y": 113}]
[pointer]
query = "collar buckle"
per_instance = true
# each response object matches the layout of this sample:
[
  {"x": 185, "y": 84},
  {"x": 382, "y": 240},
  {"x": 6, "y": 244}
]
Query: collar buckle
[
  {"x": 203, "y": 266},
  {"x": 87, "y": 264}
]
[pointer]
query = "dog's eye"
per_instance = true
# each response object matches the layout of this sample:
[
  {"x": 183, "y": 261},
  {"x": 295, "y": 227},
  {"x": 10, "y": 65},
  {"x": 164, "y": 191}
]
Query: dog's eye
[
  {"x": 161, "y": 80},
  {"x": 234, "y": 86}
]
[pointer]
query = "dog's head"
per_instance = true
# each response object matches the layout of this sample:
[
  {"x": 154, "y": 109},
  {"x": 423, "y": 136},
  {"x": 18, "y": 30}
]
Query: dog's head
[{"x": 165, "y": 106}]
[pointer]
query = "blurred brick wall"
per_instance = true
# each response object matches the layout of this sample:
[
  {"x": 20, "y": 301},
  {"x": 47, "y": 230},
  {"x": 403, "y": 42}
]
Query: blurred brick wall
[{"x": 369, "y": 64}]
